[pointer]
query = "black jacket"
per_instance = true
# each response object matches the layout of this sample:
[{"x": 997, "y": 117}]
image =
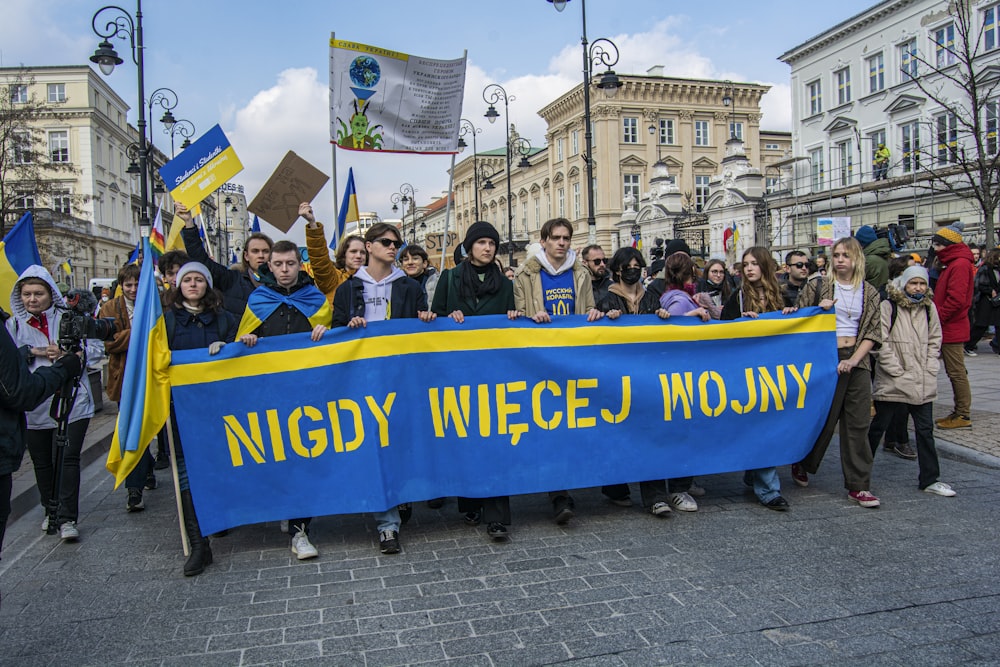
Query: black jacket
[
  {"x": 234, "y": 284},
  {"x": 20, "y": 391},
  {"x": 407, "y": 298},
  {"x": 186, "y": 331},
  {"x": 648, "y": 305},
  {"x": 601, "y": 287}
]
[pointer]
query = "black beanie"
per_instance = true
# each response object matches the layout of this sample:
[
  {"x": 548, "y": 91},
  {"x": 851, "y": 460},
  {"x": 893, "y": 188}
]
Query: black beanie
[
  {"x": 676, "y": 245},
  {"x": 480, "y": 230}
]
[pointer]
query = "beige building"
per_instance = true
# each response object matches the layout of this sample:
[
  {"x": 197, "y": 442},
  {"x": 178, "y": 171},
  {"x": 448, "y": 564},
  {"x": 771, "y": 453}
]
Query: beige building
[{"x": 684, "y": 123}]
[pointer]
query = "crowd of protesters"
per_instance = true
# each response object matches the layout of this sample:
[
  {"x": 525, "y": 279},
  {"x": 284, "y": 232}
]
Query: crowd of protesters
[{"x": 898, "y": 318}]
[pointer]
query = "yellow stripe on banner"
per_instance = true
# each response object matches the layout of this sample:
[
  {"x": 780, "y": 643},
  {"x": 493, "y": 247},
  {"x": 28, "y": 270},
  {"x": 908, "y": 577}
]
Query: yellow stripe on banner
[
  {"x": 365, "y": 48},
  {"x": 484, "y": 339}
]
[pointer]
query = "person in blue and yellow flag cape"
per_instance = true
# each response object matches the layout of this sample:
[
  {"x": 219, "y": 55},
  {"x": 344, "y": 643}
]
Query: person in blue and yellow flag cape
[
  {"x": 477, "y": 287},
  {"x": 286, "y": 302},
  {"x": 378, "y": 292}
]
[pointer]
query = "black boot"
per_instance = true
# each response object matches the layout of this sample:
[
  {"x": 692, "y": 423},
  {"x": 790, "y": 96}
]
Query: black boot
[{"x": 201, "y": 551}]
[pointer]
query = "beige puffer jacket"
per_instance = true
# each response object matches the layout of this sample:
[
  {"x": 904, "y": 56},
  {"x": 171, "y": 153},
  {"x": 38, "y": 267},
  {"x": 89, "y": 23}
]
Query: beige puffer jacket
[{"x": 907, "y": 366}]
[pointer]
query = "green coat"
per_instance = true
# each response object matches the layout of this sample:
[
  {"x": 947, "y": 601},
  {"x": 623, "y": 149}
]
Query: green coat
[{"x": 448, "y": 298}]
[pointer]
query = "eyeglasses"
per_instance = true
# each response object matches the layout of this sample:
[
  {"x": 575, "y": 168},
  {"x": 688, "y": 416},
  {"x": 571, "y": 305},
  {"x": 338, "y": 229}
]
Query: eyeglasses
[
  {"x": 599, "y": 260},
  {"x": 799, "y": 265},
  {"x": 389, "y": 243}
]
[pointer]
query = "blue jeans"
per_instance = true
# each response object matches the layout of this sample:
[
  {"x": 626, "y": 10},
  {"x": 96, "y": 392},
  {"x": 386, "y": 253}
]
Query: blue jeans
[
  {"x": 765, "y": 482},
  {"x": 388, "y": 520}
]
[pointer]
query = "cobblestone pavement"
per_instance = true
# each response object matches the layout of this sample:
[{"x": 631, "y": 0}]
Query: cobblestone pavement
[{"x": 912, "y": 583}]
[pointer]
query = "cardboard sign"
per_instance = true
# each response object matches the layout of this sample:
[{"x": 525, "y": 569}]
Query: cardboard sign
[
  {"x": 201, "y": 168},
  {"x": 293, "y": 182}
]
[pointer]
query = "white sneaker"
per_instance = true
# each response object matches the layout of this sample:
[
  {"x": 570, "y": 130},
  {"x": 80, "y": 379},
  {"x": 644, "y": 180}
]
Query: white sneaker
[
  {"x": 302, "y": 547},
  {"x": 45, "y": 524},
  {"x": 68, "y": 532},
  {"x": 940, "y": 489},
  {"x": 683, "y": 502},
  {"x": 660, "y": 509}
]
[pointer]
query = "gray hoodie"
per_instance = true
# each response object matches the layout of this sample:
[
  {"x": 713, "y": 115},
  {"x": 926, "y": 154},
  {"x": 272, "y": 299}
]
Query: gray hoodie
[{"x": 378, "y": 293}]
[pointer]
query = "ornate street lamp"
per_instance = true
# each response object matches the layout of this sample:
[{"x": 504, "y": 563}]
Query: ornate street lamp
[
  {"x": 729, "y": 100},
  {"x": 602, "y": 51},
  {"x": 492, "y": 94},
  {"x": 120, "y": 25},
  {"x": 406, "y": 194},
  {"x": 466, "y": 127},
  {"x": 184, "y": 128}
]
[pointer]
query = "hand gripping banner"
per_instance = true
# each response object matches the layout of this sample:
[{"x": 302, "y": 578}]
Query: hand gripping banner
[{"x": 405, "y": 411}]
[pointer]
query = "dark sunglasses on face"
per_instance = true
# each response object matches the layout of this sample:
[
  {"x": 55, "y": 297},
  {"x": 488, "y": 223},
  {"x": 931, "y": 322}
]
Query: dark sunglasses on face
[
  {"x": 798, "y": 265},
  {"x": 389, "y": 243},
  {"x": 599, "y": 260}
]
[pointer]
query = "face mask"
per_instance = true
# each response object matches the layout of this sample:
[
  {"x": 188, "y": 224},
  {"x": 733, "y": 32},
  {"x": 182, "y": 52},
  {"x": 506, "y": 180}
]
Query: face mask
[
  {"x": 916, "y": 298},
  {"x": 630, "y": 276}
]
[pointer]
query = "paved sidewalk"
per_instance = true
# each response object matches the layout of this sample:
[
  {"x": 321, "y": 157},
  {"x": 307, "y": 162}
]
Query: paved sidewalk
[{"x": 912, "y": 583}]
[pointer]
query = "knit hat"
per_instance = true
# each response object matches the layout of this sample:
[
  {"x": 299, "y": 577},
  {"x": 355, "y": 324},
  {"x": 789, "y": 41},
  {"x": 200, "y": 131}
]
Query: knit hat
[
  {"x": 480, "y": 230},
  {"x": 947, "y": 235},
  {"x": 865, "y": 235},
  {"x": 911, "y": 272},
  {"x": 655, "y": 268},
  {"x": 196, "y": 267},
  {"x": 676, "y": 245}
]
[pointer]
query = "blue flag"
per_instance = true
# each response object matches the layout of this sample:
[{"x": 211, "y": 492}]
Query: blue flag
[
  {"x": 18, "y": 251},
  {"x": 256, "y": 224}
]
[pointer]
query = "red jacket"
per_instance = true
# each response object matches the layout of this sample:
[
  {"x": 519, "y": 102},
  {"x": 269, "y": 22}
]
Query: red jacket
[{"x": 953, "y": 293}]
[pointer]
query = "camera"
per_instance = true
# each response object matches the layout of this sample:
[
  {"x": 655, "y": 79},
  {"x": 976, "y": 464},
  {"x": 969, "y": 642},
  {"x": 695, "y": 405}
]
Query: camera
[{"x": 78, "y": 322}]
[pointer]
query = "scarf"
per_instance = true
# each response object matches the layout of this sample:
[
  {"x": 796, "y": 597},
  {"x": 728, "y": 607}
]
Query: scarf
[
  {"x": 477, "y": 282},
  {"x": 263, "y": 301},
  {"x": 631, "y": 302},
  {"x": 41, "y": 323}
]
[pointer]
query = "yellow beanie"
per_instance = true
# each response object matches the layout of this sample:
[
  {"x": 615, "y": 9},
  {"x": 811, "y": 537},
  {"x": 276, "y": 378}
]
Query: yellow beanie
[{"x": 947, "y": 236}]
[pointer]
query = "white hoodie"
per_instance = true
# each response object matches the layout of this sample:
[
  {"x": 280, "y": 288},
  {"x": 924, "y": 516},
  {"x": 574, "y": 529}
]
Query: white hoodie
[
  {"x": 378, "y": 293},
  {"x": 25, "y": 334},
  {"x": 567, "y": 265}
]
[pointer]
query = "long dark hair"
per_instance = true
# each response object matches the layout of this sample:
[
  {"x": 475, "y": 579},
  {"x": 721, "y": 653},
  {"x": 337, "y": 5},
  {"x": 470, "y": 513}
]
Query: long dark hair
[{"x": 767, "y": 297}]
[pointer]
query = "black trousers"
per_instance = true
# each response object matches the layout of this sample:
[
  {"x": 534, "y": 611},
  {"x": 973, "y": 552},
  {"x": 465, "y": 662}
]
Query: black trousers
[
  {"x": 923, "y": 424},
  {"x": 42, "y": 448}
]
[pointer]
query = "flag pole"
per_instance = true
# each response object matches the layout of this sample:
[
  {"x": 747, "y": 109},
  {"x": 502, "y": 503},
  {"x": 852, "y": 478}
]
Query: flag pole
[
  {"x": 447, "y": 211},
  {"x": 333, "y": 151},
  {"x": 185, "y": 545}
]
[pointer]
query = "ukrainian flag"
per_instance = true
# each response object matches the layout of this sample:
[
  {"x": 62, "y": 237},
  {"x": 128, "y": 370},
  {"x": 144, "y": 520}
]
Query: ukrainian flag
[
  {"x": 67, "y": 267},
  {"x": 18, "y": 251},
  {"x": 145, "y": 401},
  {"x": 348, "y": 209}
]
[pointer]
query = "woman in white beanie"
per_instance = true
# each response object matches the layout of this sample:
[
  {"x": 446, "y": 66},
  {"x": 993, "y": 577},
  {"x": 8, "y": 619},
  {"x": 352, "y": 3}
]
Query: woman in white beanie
[{"x": 907, "y": 369}]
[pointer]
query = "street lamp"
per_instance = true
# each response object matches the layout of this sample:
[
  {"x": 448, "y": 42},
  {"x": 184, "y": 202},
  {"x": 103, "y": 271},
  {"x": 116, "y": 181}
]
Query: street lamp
[
  {"x": 729, "y": 100},
  {"x": 120, "y": 25},
  {"x": 486, "y": 173},
  {"x": 596, "y": 53},
  {"x": 492, "y": 94},
  {"x": 184, "y": 128},
  {"x": 466, "y": 127}
]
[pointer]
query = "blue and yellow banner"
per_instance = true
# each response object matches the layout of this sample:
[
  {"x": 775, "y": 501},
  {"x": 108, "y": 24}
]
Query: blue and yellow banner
[
  {"x": 201, "y": 168},
  {"x": 405, "y": 411}
]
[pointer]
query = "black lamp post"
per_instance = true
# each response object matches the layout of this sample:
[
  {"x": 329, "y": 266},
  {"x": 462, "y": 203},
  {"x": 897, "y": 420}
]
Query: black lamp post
[
  {"x": 184, "y": 128},
  {"x": 120, "y": 25},
  {"x": 593, "y": 54},
  {"x": 466, "y": 127},
  {"x": 407, "y": 194},
  {"x": 729, "y": 100},
  {"x": 493, "y": 94}
]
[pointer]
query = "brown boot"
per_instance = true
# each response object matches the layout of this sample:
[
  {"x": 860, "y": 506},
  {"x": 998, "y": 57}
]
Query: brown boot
[{"x": 955, "y": 421}]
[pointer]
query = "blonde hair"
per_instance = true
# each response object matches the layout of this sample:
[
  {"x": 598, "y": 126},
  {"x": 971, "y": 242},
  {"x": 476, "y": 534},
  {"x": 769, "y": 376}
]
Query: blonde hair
[{"x": 857, "y": 256}]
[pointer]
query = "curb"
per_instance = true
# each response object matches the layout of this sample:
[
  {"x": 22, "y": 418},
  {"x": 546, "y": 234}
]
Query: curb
[{"x": 965, "y": 454}]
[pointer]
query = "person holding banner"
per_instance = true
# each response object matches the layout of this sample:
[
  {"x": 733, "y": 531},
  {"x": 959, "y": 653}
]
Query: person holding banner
[
  {"x": 286, "y": 302},
  {"x": 625, "y": 295},
  {"x": 194, "y": 319},
  {"x": 416, "y": 264},
  {"x": 760, "y": 293},
  {"x": 236, "y": 285},
  {"x": 552, "y": 282},
  {"x": 477, "y": 287},
  {"x": 377, "y": 292},
  {"x": 327, "y": 274},
  {"x": 859, "y": 332}
]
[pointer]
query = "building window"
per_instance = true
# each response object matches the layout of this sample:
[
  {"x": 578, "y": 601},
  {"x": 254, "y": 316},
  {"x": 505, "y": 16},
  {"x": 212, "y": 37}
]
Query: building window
[
  {"x": 701, "y": 137},
  {"x": 561, "y": 201},
  {"x": 944, "y": 45},
  {"x": 817, "y": 173},
  {"x": 910, "y": 136},
  {"x": 772, "y": 183},
  {"x": 630, "y": 130},
  {"x": 574, "y": 142},
  {"x": 815, "y": 90},
  {"x": 736, "y": 130},
  {"x": 21, "y": 144},
  {"x": 992, "y": 116},
  {"x": 524, "y": 216},
  {"x": 57, "y": 92},
  {"x": 19, "y": 94},
  {"x": 772, "y": 147},
  {"x": 24, "y": 200},
  {"x": 908, "y": 60},
  {"x": 59, "y": 146},
  {"x": 666, "y": 131},
  {"x": 846, "y": 156},
  {"x": 538, "y": 212},
  {"x": 947, "y": 138},
  {"x": 701, "y": 192},
  {"x": 843, "y": 78},
  {"x": 559, "y": 150},
  {"x": 876, "y": 73},
  {"x": 631, "y": 182},
  {"x": 576, "y": 200},
  {"x": 990, "y": 36},
  {"x": 62, "y": 201}
]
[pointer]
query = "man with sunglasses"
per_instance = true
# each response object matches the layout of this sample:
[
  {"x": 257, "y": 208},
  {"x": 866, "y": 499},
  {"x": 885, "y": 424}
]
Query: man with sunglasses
[
  {"x": 795, "y": 279},
  {"x": 597, "y": 263},
  {"x": 381, "y": 291}
]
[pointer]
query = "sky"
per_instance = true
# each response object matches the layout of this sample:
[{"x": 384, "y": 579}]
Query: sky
[{"x": 260, "y": 68}]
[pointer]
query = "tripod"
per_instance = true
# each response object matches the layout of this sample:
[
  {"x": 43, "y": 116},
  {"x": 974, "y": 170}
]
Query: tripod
[{"x": 62, "y": 406}]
